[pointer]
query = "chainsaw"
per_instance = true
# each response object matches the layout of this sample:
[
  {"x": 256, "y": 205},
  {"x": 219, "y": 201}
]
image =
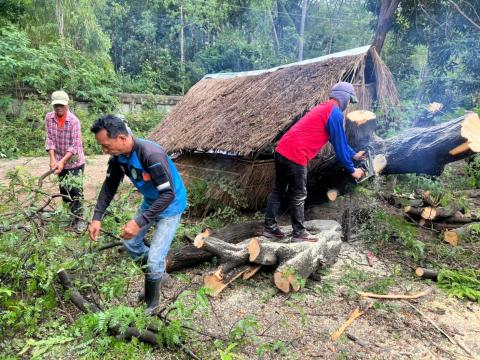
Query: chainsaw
[{"x": 367, "y": 164}]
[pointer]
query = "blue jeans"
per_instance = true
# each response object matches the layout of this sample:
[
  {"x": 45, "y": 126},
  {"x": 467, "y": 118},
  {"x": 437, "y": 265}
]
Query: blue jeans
[{"x": 159, "y": 246}]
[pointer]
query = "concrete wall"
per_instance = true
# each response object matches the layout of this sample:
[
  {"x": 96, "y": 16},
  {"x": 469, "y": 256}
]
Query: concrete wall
[
  {"x": 134, "y": 102},
  {"x": 127, "y": 102}
]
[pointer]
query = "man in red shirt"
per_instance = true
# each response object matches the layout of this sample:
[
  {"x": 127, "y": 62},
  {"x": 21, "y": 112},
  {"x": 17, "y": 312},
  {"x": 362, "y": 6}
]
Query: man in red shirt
[
  {"x": 63, "y": 141},
  {"x": 301, "y": 143}
]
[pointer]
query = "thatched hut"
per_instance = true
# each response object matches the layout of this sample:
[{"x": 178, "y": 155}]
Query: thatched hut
[{"x": 225, "y": 128}]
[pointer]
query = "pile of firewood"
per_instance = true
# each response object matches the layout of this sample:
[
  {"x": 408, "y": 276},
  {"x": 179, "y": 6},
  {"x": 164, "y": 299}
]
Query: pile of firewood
[{"x": 425, "y": 209}]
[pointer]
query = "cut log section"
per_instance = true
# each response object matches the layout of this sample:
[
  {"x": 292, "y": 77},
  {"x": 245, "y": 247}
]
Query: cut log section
[
  {"x": 412, "y": 210},
  {"x": 426, "y": 273},
  {"x": 471, "y": 131},
  {"x": 460, "y": 218},
  {"x": 430, "y": 213},
  {"x": 294, "y": 262},
  {"x": 426, "y": 150},
  {"x": 332, "y": 194},
  {"x": 451, "y": 237},
  {"x": 361, "y": 116},
  {"x": 454, "y": 236}
]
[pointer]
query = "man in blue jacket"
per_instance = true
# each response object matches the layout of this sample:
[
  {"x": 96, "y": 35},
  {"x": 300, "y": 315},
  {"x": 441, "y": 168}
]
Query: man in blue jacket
[{"x": 164, "y": 198}]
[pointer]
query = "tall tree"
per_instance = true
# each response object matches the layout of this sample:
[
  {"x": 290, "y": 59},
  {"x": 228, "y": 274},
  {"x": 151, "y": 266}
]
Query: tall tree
[
  {"x": 301, "y": 38},
  {"x": 386, "y": 12},
  {"x": 59, "y": 16}
]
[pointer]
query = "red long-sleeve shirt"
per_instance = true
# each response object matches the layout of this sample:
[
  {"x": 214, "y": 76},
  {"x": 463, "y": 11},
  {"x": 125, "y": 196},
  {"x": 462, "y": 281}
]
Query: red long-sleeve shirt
[{"x": 304, "y": 140}]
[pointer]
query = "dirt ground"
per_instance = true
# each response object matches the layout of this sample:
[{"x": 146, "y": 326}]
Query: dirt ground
[
  {"x": 303, "y": 322},
  {"x": 95, "y": 170}
]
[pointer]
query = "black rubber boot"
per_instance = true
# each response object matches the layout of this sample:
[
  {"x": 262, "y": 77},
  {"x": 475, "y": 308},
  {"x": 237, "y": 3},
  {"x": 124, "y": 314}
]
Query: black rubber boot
[
  {"x": 143, "y": 265},
  {"x": 152, "y": 295}
]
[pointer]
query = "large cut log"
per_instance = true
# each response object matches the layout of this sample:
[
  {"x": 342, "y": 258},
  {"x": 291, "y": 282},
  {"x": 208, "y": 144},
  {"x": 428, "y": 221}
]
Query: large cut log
[
  {"x": 427, "y": 150},
  {"x": 230, "y": 256},
  {"x": 294, "y": 262},
  {"x": 460, "y": 218},
  {"x": 423, "y": 151},
  {"x": 412, "y": 210},
  {"x": 189, "y": 255}
]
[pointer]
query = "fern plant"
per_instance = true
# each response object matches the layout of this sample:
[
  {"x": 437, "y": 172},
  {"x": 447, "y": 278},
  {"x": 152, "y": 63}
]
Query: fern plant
[{"x": 461, "y": 284}]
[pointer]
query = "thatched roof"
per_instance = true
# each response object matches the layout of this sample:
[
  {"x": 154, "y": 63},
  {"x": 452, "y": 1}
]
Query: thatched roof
[{"x": 245, "y": 113}]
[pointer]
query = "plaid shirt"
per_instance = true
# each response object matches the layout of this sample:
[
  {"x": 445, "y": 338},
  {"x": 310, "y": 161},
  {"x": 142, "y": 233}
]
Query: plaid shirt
[{"x": 65, "y": 139}]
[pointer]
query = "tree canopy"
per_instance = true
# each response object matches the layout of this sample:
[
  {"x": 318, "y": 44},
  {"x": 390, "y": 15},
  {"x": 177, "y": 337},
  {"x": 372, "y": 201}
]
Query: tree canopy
[{"x": 165, "y": 46}]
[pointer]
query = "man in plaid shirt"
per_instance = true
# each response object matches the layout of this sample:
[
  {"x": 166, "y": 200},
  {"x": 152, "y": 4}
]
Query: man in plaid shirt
[{"x": 63, "y": 141}]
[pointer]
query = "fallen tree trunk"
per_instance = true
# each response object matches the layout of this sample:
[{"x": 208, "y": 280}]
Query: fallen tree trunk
[
  {"x": 422, "y": 151},
  {"x": 294, "y": 262},
  {"x": 188, "y": 255},
  {"x": 432, "y": 213},
  {"x": 459, "y": 218},
  {"x": 427, "y": 150}
]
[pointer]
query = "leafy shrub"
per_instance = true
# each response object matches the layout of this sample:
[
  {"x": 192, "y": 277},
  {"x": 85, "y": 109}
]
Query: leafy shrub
[
  {"x": 461, "y": 284},
  {"x": 54, "y": 66},
  {"x": 380, "y": 228},
  {"x": 23, "y": 127}
]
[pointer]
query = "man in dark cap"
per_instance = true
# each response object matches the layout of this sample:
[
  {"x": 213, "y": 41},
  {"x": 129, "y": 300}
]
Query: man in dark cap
[{"x": 301, "y": 143}]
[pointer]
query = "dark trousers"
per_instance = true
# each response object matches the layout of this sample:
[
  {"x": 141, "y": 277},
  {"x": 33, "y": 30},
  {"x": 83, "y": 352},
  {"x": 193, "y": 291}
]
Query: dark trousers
[
  {"x": 71, "y": 189},
  {"x": 290, "y": 182}
]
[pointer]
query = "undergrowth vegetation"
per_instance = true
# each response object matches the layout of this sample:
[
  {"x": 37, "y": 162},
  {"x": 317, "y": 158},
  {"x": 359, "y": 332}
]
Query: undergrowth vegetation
[
  {"x": 23, "y": 126},
  {"x": 393, "y": 236},
  {"x": 34, "y": 246}
]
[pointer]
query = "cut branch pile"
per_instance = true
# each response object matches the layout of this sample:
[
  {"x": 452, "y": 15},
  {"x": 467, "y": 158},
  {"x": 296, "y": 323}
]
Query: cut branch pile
[
  {"x": 449, "y": 219},
  {"x": 425, "y": 209},
  {"x": 149, "y": 336},
  {"x": 293, "y": 262}
]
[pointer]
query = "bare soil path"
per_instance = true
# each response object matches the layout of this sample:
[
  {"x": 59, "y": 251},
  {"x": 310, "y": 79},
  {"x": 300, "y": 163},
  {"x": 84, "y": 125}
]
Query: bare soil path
[{"x": 95, "y": 170}]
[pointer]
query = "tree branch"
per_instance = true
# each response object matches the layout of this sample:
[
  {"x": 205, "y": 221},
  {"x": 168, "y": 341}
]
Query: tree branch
[{"x": 455, "y": 5}]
